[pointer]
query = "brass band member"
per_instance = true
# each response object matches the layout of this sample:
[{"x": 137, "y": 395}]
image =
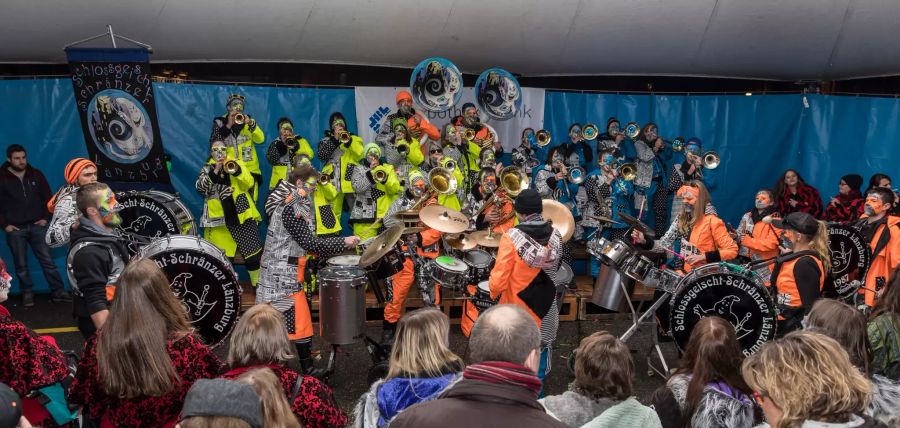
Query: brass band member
[
  {"x": 286, "y": 268},
  {"x": 239, "y": 132},
  {"x": 339, "y": 150},
  {"x": 525, "y": 154},
  {"x": 376, "y": 187},
  {"x": 402, "y": 150},
  {"x": 283, "y": 150},
  {"x": 417, "y": 124},
  {"x": 230, "y": 220},
  {"x": 436, "y": 158},
  {"x": 882, "y": 231}
]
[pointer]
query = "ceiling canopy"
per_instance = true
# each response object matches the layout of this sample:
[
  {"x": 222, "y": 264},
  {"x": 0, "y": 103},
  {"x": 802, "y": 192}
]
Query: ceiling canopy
[{"x": 762, "y": 39}]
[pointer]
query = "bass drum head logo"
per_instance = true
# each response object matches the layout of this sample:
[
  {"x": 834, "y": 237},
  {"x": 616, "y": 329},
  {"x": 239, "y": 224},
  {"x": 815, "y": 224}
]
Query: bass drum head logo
[
  {"x": 731, "y": 296},
  {"x": 850, "y": 258},
  {"x": 207, "y": 288},
  {"x": 145, "y": 216},
  {"x": 120, "y": 127}
]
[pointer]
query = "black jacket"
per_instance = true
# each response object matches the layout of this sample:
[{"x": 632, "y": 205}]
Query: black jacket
[
  {"x": 472, "y": 403},
  {"x": 24, "y": 201},
  {"x": 91, "y": 268}
]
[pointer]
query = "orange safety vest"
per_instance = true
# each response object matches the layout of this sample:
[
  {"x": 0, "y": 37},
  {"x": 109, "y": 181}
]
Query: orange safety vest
[
  {"x": 884, "y": 260},
  {"x": 786, "y": 284}
]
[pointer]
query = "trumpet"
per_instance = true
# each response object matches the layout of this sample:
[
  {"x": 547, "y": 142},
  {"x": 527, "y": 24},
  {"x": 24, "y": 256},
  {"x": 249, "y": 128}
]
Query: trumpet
[
  {"x": 542, "y": 137},
  {"x": 469, "y": 134},
  {"x": 632, "y": 130},
  {"x": 231, "y": 167},
  {"x": 450, "y": 164},
  {"x": 711, "y": 160},
  {"x": 240, "y": 118},
  {"x": 678, "y": 144},
  {"x": 590, "y": 132},
  {"x": 576, "y": 175},
  {"x": 344, "y": 137},
  {"x": 380, "y": 176},
  {"x": 627, "y": 171},
  {"x": 324, "y": 178},
  {"x": 402, "y": 148},
  {"x": 292, "y": 144}
]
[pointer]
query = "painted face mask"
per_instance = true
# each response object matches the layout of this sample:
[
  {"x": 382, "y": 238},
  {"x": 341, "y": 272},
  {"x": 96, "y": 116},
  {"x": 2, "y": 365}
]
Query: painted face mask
[
  {"x": 575, "y": 133},
  {"x": 762, "y": 201},
  {"x": 218, "y": 152},
  {"x": 529, "y": 138},
  {"x": 338, "y": 126},
  {"x": 236, "y": 105},
  {"x": 109, "y": 209},
  {"x": 405, "y": 107},
  {"x": 874, "y": 205},
  {"x": 652, "y": 133},
  {"x": 471, "y": 116},
  {"x": 607, "y": 159},
  {"x": 613, "y": 128}
]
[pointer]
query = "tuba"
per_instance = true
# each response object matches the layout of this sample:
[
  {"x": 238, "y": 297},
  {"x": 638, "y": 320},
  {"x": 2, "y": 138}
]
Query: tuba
[
  {"x": 543, "y": 137},
  {"x": 590, "y": 132},
  {"x": 711, "y": 160},
  {"x": 627, "y": 171},
  {"x": 469, "y": 134}
]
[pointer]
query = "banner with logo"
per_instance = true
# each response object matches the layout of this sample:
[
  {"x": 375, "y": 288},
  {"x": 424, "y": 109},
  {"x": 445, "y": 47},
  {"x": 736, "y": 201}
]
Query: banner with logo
[
  {"x": 115, "y": 102},
  {"x": 374, "y": 104}
]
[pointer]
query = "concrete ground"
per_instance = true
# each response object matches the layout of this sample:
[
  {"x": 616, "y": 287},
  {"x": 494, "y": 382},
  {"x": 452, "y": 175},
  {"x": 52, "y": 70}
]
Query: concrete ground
[{"x": 353, "y": 362}]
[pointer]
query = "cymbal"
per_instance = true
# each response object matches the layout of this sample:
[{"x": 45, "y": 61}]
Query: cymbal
[
  {"x": 447, "y": 220},
  {"x": 637, "y": 225},
  {"x": 381, "y": 245},
  {"x": 560, "y": 217},
  {"x": 485, "y": 238},
  {"x": 602, "y": 219},
  {"x": 460, "y": 242}
]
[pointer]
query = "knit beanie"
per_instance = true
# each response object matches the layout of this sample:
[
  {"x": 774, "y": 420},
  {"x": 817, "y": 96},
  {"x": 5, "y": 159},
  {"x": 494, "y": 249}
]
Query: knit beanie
[
  {"x": 529, "y": 202},
  {"x": 74, "y": 168},
  {"x": 855, "y": 181},
  {"x": 404, "y": 95}
]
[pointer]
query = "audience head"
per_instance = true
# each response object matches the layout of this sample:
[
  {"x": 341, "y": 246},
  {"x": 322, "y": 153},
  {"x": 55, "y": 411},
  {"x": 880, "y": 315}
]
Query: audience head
[
  {"x": 98, "y": 203},
  {"x": 713, "y": 353},
  {"x": 80, "y": 171},
  {"x": 879, "y": 180},
  {"x": 505, "y": 333},
  {"x": 604, "y": 367},
  {"x": 844, "y": 324},
  {"x": 276, "y": 411},
  {"x": 850, "y": 183},
  {"x": 806, "y": 376},
  {"x": 259, "y": 338},
  {"x": 421, "y": 346},
  {"x": 10, "y": 407},
  {"x": 132, "y": 357},
  {"x": 221, "y": 403},
  {"x": 16, "y": 158}
]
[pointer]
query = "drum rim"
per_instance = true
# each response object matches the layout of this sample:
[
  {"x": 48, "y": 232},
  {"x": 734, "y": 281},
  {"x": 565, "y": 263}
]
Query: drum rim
[{"x": 172, "y": 198}]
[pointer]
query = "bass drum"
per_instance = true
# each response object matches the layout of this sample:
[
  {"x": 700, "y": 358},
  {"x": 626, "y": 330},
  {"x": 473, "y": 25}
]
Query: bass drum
[
  {"x": 153, "y": 214},
  {"x": 729, "y": 292},
  {"x": 850, "y": 259},
  {"x": 202, "y": 278}
]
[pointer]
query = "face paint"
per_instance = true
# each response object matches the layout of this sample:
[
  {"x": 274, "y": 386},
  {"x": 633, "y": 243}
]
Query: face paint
[
  {"x": 236, "y": 105},
  {"x": 608, "y": 159},
  {"x": 405, "y": 106},
  {"x": 219, "y": 153},
  {"x": 688, "y": 194},
  {"x": 652, "y": 133},
  {"x": 109, "y": 209},
  {"x": 613, "y": 128},
  {"x": 575, "y": 133},
  {"x": 470, "y": 116},
  {"x": 874, "y": 205},
  {"x": 762, "y": 201}
]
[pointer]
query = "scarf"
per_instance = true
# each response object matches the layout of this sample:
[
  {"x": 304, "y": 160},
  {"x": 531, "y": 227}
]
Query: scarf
[
  {"x": 848, "y": 198},
  {"x": 757, "y": 216},
  {"x": 504, "y": 373}
]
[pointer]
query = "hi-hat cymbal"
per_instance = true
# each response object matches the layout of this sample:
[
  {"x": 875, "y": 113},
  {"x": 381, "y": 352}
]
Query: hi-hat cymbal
[
  {"x": 637, "y": 225},
  {"x": 560, "y": 217},
  {"x": 602, "y": 219},
  {"x": 408, "y": 217},
  {"x": 486, "y": 238},
  {"x": 460, "y": 242},
  {"x": 444, "y": 219},
  {"x": 381, "y": 245}
]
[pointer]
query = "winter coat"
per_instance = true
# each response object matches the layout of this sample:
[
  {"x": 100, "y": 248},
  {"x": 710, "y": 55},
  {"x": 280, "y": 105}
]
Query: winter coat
[
  {"x": 576, "y": 410},
  {"x": 387, "y": 398}
]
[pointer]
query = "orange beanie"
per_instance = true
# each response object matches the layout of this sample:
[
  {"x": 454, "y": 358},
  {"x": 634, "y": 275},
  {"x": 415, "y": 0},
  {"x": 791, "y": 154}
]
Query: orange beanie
[
  {"x": 74, "y": 168},
  {"x": 404, "y": 95}
]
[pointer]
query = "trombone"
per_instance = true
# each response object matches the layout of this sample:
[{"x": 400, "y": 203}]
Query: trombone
[
  {"x": 590, "y": 132},
  {"x": 469, "y": 134},
  {"x": 542, "y": 137},
  {"x": 632, "y": 130}
]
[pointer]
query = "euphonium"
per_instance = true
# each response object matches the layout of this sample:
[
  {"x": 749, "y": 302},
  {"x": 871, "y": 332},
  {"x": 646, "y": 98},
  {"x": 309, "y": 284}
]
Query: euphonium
[
  {"x": 240, "y": 118},
  {"x": 627, "y": 171},
  {"x": 380, "y": 176},
  {"x": 442, "y": 180},
  {"x": 231, "y": 167},
  {"x": 542, "y": 137},
  {"x": 711, "y": 160},
  {"x": 343, "y": 137},
  {"x": 590, "y": 132},
  {"x": 576, "y": 175},
  {"x": 469, "y": 134},
  {"x": 513, "y": 181}
]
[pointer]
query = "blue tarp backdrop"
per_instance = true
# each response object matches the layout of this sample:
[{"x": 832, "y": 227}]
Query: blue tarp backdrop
[{"x": 757, "y": 136}]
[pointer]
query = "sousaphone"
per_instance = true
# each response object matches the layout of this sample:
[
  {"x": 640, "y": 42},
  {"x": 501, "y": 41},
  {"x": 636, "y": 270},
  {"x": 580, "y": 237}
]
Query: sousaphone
[{"x": 498, "y": 93}]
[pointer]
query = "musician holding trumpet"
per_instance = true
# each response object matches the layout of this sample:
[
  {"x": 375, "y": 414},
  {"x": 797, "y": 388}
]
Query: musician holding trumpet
[
  {"x": 691, "y": 169},
  {"x": 402, "y": 150},
  {"x": 376, "y": 186},
  {"x": 230, "y": 220},
  {"x": 239, "y": 132},
  {"x": 608, "y": 190},
  {"x": 339, "y": 150},
  {"x": 284, "y": 149}
]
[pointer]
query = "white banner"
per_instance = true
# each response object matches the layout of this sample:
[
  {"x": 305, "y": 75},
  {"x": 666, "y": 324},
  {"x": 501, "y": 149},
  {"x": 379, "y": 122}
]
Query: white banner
[{"x": 375, "y": 103}]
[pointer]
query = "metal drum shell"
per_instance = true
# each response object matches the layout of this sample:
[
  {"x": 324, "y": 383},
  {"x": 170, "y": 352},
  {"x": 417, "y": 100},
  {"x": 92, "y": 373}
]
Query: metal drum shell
[
  {"x": 616, "y": 253},
  {"x": 342, "y": 304},
  {"x": 390, "y": 264},
  {"x": 450, "y": 274},
  {"x": 480, "y": 263},
  {"x": 637, "y": 267}
]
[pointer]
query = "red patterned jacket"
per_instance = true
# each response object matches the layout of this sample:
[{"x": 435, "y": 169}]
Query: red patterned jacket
[
  {"x": 848, "y": 208},
  {"x": 28, "y": 361},
  {"x": 314, "y": 404},
  {"x": 190, "y": 357},
  {"x": 808, "y": 201}
]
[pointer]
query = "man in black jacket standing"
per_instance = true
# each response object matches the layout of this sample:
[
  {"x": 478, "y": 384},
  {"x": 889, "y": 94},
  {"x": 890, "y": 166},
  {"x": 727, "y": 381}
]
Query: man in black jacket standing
[
  {"x": 24, "y": 193},
  {"x": 97, "y": 255}
]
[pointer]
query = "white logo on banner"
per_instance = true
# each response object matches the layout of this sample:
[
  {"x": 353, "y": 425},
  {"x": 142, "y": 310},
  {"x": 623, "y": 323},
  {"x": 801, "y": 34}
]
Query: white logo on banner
[{"x": 374, "y": 104}]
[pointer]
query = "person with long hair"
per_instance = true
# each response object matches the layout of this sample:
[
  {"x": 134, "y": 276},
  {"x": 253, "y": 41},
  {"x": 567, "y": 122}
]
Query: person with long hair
[
  {"x": 847, "y": 326},
  {"x": 221, "y": 403},
  {"x": 702, "y": 235},
  {"x": 884, "y": 331},
  {"x": 759, "y": 239},
  {"x": 805, "y": 379},
  {"x": 601, "y": 395},
  {"x": 276, "y": 412},
  {"x": 137, "y": 369},
  {"x": 881, "y": 230},
  {"x": 799, "y": 273},
  {"x": 848, "y": 204},
  {"x": 707, "y": 389},
  {"x": 421, "y": 367},
  {"x": 260, "y": 340},
  {"x": 794, "y": 195}
]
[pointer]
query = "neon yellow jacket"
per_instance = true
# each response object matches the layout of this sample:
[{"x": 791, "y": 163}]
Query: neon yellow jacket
[
  {"x": 323, "y": 199},
  {"x": 245, "y": 150},
  {"x": 280, "y": 164}
]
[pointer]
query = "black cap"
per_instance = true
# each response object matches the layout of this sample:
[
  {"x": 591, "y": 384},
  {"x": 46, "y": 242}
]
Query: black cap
[
  {"x": 799, "y": 221},
  {"x": 222, "y": 397},
  {"x": 10, "y": 407},
  {"x": 529, "y": 202}
]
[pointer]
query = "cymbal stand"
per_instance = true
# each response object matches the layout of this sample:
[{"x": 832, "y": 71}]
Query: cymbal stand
[
  {"x": 423, "y": 271},
  {"x": 644, "y": 319}
]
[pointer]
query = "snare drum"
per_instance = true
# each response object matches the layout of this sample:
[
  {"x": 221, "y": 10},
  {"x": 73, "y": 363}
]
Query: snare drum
[
  {"x": 351, "y": 260},
  {"x": 482, "y": 298},
  {"x": 662, "y": 279},
  {"x": 203, "y": 280},
  {"x": 449, "y": 272},
  {"x": 595, "y": 246},
  {"x": 480, "y": 263},
  {"x": 390, "y": 264},
  {"x": 616, "y": 253},
  {"x": 637, "y": 267}
]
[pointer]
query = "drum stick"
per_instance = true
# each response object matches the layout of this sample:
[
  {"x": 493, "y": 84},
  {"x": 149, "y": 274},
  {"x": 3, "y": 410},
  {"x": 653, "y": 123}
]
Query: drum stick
[{"x": 674, "y": 254}]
